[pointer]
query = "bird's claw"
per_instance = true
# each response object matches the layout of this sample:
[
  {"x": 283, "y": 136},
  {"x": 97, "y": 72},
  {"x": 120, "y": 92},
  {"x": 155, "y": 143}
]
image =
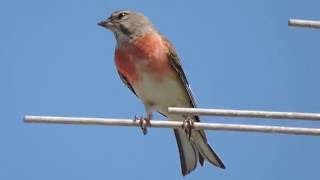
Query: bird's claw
[
  {"x": 144, "y": 123},
  {"x": 188, "y": 125}
]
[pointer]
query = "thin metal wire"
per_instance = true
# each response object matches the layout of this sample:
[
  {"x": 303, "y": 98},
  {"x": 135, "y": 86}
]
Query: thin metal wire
[
  {"x": 304, "y": 23},
  {"x": 246, "y": 113},
  {"x": 172, "y": 124}
]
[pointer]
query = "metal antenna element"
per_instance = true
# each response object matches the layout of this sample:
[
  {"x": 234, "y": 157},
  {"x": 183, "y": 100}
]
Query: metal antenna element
[
  {"x": 198, "y": 125},
  {"x": 304, "y": 23}
]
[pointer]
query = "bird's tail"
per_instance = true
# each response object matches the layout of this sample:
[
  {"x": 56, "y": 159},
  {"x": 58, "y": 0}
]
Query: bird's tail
[
  {"x": 205, "y": 150},
  {"x": 188, "y": 152},
  {"x": 194, "y": 149}
]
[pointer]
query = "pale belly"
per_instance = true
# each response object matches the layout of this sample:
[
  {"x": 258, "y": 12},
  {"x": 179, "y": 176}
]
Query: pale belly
[{"x": 169, "y": 92}]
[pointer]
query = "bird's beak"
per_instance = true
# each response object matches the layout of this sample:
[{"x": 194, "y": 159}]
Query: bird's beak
[{"x": 105, "y": 23}]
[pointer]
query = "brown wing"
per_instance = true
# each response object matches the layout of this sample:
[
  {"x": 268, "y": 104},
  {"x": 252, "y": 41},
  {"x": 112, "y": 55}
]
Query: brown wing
[
  {"x": 126, "y": 82},
  {"x": 175, "y": 62}
]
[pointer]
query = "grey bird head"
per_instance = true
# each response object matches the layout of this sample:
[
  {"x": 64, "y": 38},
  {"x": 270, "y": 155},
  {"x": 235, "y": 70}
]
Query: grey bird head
[{"x": 127, "y": 24}]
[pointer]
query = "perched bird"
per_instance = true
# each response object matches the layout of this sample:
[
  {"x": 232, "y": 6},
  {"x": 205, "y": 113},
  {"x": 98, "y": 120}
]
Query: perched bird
[{"x": 148, "y": 64}]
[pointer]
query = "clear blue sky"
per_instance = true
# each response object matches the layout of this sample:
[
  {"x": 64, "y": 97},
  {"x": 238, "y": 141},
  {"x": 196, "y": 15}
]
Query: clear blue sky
[{"x": 55, "y": 60}]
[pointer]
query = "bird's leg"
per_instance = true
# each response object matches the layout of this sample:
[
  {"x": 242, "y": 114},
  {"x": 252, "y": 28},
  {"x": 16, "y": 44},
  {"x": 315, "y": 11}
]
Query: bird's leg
[
  {"x": 135, "y": 118},
  {"x": 140, "y": 121},
  {"x": 188, "y": 126},
  {"x": 144, "y": 122},
  {"x": 148, "y": 120},
  {"x": 143, "y": 125}
]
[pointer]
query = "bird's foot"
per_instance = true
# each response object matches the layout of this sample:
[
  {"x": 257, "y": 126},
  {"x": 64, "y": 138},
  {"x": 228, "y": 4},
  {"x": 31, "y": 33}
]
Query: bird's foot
[
  {"x": 144, "y": 123},
  {"x": 188, "y": 125}
]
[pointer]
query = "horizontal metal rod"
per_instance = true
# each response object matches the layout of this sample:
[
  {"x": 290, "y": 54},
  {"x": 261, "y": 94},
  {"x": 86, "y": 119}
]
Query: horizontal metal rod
[
  {"x": 304, "y": 23},
  {"x": 172, "y": 124},
  {"x": 245, "y": 113}
]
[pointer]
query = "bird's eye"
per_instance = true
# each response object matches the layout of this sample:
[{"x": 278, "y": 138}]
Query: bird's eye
[{"x": 121, "y": 15}]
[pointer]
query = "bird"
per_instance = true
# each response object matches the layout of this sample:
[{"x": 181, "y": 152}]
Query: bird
[{"x": 149, "y": 66}]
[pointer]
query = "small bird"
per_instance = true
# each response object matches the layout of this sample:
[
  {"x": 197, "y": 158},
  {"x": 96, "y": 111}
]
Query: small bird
[{"x": 149, "y": 66}]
